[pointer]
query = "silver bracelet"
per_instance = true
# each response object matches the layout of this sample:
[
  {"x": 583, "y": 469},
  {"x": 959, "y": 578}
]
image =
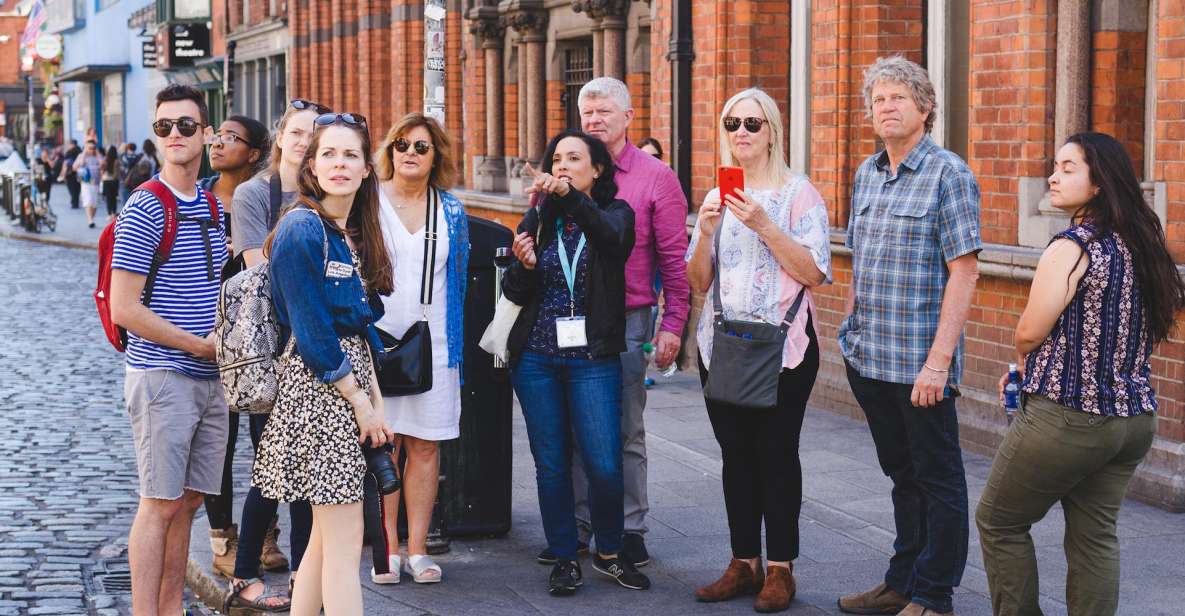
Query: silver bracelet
[{"x": 927, "y": 367}]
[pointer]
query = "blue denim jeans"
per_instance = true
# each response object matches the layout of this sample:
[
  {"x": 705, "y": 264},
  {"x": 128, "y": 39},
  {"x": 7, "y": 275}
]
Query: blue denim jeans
[
  {"x": 918, "y": 448},
  {"x": 564, "y": 399}
]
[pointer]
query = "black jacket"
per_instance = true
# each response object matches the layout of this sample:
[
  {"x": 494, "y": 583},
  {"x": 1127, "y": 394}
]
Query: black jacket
[{"x": 610, "y": 232}]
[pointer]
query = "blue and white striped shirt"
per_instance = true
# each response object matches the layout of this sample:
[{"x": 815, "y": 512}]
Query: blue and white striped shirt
[{"x": 185, "y": 294}]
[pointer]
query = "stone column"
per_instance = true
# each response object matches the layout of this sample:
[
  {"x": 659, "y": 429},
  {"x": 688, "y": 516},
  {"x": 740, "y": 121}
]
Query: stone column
[
  {"x": 1072, "y": 94},
  {"x": 530, "y": 21},
  {"x": 608, "y": 34},
  {"x": 490, "y": 174}
]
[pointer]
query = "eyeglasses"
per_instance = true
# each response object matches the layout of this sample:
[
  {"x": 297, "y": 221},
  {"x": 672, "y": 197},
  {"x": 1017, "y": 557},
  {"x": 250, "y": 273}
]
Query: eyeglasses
[
  {"x": 230, "y": 139},
  {"x": 422, "y": 147},
  {"x": 186, "y": 125},
  {"x": 752, "y": 125},
  {"x": 353, "y": 119},
  {"x": 301, "y": 104}
]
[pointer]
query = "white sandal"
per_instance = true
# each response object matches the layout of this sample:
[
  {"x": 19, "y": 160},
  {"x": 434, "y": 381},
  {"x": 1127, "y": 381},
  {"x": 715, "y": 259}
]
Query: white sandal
[
  {"x": 387, "y": 578},
  {"x": 423, "y": 570}
]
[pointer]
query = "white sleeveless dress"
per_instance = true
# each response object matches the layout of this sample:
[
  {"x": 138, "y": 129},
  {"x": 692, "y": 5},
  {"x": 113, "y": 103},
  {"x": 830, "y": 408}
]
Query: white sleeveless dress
[{"x": 434, "y": 415}]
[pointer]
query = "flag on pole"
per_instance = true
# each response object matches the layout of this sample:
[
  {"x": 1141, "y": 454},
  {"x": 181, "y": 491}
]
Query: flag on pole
[{"x": 37, "y": 17}]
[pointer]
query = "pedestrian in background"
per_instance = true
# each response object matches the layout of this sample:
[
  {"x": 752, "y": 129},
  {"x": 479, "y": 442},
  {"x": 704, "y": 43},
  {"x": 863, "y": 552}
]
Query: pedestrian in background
[
  {"x": 651, "y": 146},
  {"x": 653, "y": 192},
  {"x": 1104, "y": 295},
  {"x": 914, "y": 236},
  {"x": 150, "y": 152},
  {"x": 69, "y": 174},
  {"x": 87, "y": 167},
  {"x": 415, "y": 168},
  {"x": 174, "y": 397},
  {"x": 43, "y": 173},
  {"x": 328, "y": 267},
  {"x": 255, "y": 211},
  {"x": 127, "y": 162},
  {"x": 775, "y": 235},
  {"x": 109, "y": 179},
  {"x": 565, "y": 349}
]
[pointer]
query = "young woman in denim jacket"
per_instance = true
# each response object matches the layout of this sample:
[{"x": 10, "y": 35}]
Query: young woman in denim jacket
[
  {"x": 414, "y": 161},
  {"x": 328, "y": 267},
  {"x": 564, "y": 348}
]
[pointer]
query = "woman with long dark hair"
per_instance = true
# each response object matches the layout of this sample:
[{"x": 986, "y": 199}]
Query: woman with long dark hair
[
  {"x": 109, "y": 180},
  {"x": 565, "y": 346},
  {"x": 1105, "y": 294},
  {"x": 328, "y": 267}
]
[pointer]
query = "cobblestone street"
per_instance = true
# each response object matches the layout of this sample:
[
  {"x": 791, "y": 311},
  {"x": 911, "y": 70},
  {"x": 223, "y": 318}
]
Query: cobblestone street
[{"x": 67, "y": 475}]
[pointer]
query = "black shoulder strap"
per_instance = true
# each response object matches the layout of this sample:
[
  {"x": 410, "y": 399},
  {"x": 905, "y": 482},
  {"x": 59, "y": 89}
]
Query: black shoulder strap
[
  {"x": 276, "y": 197},
  {"x": 428, "y": 274}
]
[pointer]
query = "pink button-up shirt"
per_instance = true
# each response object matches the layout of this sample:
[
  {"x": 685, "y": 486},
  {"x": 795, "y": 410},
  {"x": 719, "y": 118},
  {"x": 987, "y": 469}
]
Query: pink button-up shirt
[{"x": 660, "y": 213}]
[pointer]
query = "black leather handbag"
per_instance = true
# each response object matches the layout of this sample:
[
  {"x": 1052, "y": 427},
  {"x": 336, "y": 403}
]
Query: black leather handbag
[{"x": 404, "y": 367}]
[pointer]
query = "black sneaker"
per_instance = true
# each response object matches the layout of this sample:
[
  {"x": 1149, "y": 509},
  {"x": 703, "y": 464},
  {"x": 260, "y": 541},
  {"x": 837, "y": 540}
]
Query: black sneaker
[
  {"x": 633, "y": 550},
  {"x": 565, "y": 578},
  {"x": 547, "y": 558},
  {"x": 625, "y": 573}
]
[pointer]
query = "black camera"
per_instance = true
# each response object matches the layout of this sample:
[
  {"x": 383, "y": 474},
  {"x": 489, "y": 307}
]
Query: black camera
[{"x": 379, "y": 464}]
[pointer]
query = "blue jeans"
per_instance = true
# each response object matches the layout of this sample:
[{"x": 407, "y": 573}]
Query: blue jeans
[
  {"x": 564, "y": 399},
  {"x": 918, "y": 448}
]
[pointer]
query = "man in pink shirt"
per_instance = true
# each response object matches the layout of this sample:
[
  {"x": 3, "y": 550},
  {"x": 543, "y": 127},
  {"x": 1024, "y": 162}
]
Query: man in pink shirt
[{"x": 660, "y": 213}]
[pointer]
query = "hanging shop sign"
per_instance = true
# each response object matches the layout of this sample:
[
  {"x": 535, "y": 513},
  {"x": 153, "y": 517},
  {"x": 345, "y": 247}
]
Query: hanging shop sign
[{"x": 181, "y": 45}]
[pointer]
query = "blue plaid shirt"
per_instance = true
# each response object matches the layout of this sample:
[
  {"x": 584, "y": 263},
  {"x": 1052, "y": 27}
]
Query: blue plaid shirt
[{"x": 902, "y": 232}]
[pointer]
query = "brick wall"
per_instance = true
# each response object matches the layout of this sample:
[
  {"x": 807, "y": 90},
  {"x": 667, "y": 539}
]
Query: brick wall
[
  {"x": 1117, "y": 89},
  {"x": 1170, "y": 118},
  {"x": 10, "y": 64}
]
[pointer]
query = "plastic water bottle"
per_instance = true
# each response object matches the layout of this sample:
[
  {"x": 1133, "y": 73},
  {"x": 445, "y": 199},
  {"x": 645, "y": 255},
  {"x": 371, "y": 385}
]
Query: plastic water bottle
[
  {"x": 648, "y": 350},
  {"x": 1012, "y": 393}
]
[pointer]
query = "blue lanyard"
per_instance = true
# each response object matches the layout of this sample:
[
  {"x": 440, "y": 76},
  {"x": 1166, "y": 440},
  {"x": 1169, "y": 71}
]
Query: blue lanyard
[{"x": 569, "y": 270}]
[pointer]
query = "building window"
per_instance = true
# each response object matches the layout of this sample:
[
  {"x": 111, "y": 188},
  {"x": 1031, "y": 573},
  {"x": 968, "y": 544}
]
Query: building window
[
  {"x": 277, "y": 97},
  {"x": 578, "y": 70},
  {"x": 113, "y": 109}
]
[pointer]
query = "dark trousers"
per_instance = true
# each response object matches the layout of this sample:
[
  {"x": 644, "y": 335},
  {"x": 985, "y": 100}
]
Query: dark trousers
[
  {"x": 75, "y": 189},
  {"x": 762, "y": 473},
  {"x": 918, "y": 448},
  {"x": 258, "y": 511},
  {"x": 110, "y": 193}
]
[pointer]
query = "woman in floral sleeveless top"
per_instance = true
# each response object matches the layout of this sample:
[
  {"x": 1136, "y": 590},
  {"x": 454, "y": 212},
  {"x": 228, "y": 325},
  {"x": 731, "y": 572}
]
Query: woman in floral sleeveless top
[{"x": 1104, "y": 294}]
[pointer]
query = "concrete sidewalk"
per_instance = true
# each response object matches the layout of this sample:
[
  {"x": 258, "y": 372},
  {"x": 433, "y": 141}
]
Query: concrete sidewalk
[
  {"x": 846, "y": 529},
  {"x": 71, "y": 231}
]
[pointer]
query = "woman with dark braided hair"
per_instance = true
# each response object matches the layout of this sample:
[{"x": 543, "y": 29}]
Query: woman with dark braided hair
[{"x": 1105, "y": 294}]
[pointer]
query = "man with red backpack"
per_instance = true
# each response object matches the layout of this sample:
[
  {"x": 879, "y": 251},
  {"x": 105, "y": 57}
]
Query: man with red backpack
[{"x": 166, "y": 251}]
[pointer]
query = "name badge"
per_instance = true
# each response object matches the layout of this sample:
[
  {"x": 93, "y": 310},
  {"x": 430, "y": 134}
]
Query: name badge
[
  {"x": 338, "y": 269},
  {"x": 569, "y": 332}
]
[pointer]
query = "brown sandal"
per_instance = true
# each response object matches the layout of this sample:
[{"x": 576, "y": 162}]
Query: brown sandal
[{"x": 265, "y": 602}]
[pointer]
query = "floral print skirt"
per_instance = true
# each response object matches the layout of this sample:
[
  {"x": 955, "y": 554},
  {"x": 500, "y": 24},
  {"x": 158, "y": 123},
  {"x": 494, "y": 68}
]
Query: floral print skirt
[{"x": 309, "y": 450}]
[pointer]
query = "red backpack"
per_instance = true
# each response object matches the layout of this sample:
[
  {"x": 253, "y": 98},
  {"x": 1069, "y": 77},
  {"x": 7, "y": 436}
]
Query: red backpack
[{"x": 116, "y": 335}]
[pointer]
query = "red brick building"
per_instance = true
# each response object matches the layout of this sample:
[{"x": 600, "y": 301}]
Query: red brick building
[{"x": 1014, "y": 78}]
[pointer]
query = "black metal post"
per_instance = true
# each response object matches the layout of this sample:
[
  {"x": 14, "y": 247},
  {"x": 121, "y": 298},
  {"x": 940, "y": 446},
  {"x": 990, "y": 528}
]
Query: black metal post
[{"x": 681, "y": 55}]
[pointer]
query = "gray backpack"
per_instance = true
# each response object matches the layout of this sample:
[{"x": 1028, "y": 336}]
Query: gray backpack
[{"x": 247, "y": 338}]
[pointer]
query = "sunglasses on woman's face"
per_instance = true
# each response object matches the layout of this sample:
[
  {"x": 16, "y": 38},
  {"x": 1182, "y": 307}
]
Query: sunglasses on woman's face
[
  {"x": 422, "y": 147},
  {"x": 301, "y": 104},
  {"x": 753, "y": 125},
  {"x": 353, "y": 119},
  {"x": 186, "y": 125}
]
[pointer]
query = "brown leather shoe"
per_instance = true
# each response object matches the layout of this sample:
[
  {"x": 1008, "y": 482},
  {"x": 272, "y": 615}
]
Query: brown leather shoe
[
  {"x": 778, "y": 590},
  {"x": 225, "y": 545},
  {"x": 738, "y": 579},
  {"x": 914, "y": 609},
  {"x": 879, "y": 599},
  {"x": 272, "y": 559}
]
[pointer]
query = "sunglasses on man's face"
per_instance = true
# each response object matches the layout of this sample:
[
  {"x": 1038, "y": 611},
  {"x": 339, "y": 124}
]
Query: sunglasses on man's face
[
  {"x": 422, "y": 147},
  {"x": 186, "y": 125},
  {"x": 328, "y": 119},
  {"x": 301, "y": 104},
  {"x": 753, "y": 125}
]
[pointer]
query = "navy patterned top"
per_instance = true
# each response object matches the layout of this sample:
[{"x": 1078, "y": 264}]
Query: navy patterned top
[
  {"x": 1096, "y": 358},
  {"x": 555, "y": 295}
]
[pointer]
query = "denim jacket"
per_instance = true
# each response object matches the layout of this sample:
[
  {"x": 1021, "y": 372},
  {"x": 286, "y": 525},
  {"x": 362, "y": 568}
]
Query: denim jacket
[{"x": 318, "y": 302}]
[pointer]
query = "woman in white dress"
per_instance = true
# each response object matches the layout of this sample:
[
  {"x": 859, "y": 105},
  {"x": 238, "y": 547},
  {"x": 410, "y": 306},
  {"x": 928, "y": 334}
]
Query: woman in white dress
[{"x": 414, "y": 162}]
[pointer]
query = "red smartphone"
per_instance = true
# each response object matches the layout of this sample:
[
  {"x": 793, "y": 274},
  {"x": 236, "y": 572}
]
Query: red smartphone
[{"x": 730, "y": 180}]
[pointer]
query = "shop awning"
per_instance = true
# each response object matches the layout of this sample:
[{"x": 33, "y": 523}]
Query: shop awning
[
  {"x": 205, "y": 75},
  {"x": 92, "y": 72}
]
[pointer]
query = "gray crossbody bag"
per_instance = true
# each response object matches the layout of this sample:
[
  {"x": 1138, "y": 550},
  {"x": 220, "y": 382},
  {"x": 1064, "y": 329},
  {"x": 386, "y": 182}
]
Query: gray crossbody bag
[{"x": 746, "y": 355}]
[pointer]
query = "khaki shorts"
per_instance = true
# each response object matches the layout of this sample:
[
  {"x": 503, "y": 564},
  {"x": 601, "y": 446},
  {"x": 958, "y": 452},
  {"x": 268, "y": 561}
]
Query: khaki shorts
[{"x": 180, "y": 426}]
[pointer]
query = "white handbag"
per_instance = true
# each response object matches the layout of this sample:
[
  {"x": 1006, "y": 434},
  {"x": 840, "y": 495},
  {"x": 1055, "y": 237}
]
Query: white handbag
[{"x": 494, "y": 340}]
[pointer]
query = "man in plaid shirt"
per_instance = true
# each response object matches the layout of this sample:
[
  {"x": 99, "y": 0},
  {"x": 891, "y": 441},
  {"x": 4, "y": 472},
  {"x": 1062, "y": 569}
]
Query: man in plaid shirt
[{"x": 914, "y": 236}]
